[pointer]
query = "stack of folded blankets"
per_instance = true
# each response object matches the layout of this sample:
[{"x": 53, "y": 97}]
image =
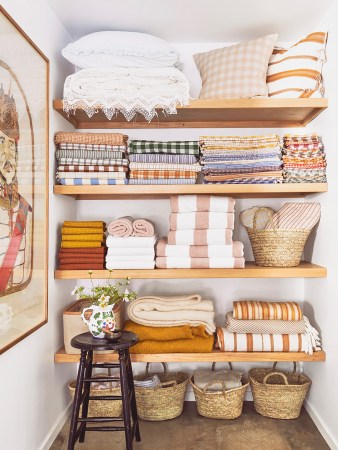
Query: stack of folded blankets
[
  {"x": 177, "y": 324},
  {"x": 154, "y": 162},
  {"x": 256, "y": 326},
  {"x": 91, "y": 158},
  {"x": 200, "y": 235},
  {"x": 304, "y": 159},
  {"x": 130, "y": 244},
  {"x": 82, "y": 245},
  {"x": 241, "y": 160}
]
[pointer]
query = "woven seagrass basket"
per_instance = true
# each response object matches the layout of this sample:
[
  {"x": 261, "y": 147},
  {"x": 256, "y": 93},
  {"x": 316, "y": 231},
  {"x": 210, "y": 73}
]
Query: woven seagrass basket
[
  {"x": 276, "y": 247},
  {"x": 166, "y": 400},
  {"x": 101, "y": 408},
  {"x": 227, "y": 404},
  {"x": 277, "y": 393}
]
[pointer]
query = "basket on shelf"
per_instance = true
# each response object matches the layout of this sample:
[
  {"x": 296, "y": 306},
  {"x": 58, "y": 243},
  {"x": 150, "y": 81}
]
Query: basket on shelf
[
  {"x": 225, "y": 404},
  {"x": 166, "y": 400},
  {"x": 274, "y": 247},
  {"x": 277, "y": 393},
  {"x": 101, "y": 408}
]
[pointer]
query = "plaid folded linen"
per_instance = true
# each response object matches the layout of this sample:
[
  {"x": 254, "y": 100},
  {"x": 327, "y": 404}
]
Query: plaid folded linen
[
  {"x": 164, "y": 181},
  {"x": 163, "y": 158},
  {"x": 90, "y": 138},
  {"x": 146, "y": 174},
  {"x": 258, "y": 180},
  {"x": 173, "y": 147},
  {"x": 158, "y": 166},
  {"x": 90, "y": 154},
  {"x": 93, "y": 168},
  {"x": 116, "y": 148},
  {"x": 213, "y": 171},
  {"x": 89, "y": 181},
  {"x": 99, "y": 175},
  {"x": 94, "y": 161}
]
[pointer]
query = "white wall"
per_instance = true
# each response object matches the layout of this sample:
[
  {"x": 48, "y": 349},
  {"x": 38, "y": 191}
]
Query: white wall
[{"x": 33, "y": 389}]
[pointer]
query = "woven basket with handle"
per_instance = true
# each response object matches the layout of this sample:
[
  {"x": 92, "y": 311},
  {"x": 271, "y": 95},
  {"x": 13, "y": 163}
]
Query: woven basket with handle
[
  {"x": 226, "y": 404},
  {"x": 165, "y": 401},
  {"x": 277, "y": 393}
]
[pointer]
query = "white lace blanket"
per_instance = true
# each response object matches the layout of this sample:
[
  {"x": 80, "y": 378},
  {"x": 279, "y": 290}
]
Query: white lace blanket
[{"x": 126, "y": 90}]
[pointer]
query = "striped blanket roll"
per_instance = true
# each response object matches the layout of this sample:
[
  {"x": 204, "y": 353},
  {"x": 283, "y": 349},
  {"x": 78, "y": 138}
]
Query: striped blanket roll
[
  {"x": 89, "y": 154},
  {"x": 89, "y": 181},
  {"x": 253, "y": 310},
  {"x": 171, "y": 147},
  {"x": 296, "y": 216},
  {"x": 94, "y": 161},
  {"x": 90, "y": 138},
  {"x": 201, "y": 220},
  {"x": 93, "y": 168},
  {"x": 179, "y": 262},
  {"x": 163, "y": 158},
  {"x": 149, "y": 174}
]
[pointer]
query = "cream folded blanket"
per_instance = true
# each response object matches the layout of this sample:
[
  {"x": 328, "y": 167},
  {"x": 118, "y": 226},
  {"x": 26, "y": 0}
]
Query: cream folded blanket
[
  {"x": 192, "y": 203},
  {"x": 200, "y": 237},
  {"x": 131, "y": 251},
  {"x": 130, "y": 242},
  {"x": 199, "y": 251},
  {"x": 122, "y": 227},
  {"x": 143, "y": 227},
  {"x": 173, "y": 311},
  {"x": 118, "y": 264},
  {"x": 201, "y": 220},
  {"x": 178, "y": 262}
]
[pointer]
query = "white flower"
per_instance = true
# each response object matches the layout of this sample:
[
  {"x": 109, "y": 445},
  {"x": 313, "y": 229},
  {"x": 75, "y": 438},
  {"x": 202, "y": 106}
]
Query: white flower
[
  {"x": 74, "y": 291},
  {"x": 125, "y": 295}
]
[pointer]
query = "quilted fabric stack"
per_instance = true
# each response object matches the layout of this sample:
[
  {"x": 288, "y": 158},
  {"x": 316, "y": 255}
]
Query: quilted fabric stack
[
  {"x": 304, "y": 159},
  {"x": 82, "y": 245},
  {"x": 256, "y": 326},
  {"x": 241, "y": 159},
  {"x": 91, "y": 158},
  {"x": 200, "y": 235},
  {"x": 156, "y": 162}
]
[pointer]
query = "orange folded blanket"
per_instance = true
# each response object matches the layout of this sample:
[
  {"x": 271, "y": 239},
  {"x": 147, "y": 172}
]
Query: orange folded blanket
[
  {"x": 84, "y": 223},
  {"x": 196, "y": 345},
  {"x": 165, "y": 333},
  {"x": 82, "y": 251},
  {"x": 82, "y": 244}
]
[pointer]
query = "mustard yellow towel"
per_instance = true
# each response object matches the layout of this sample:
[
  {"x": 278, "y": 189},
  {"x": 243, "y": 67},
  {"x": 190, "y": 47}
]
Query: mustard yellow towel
[
  {"x": 77, "y": 244},
  {"x": 83, "y": 223},
  {"x": 81, "y": 230},
  {"x": 83, "y": 237},
  {"x": 165, "y": 333},
  {"x": 196, "y": 345}
]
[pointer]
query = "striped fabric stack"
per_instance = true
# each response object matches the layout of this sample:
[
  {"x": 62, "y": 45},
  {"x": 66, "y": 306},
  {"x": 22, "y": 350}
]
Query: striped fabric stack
[
  {"x": 256, "y": 326},
  {"x": 82, "y": 245},
  {"x": 91, "y": 158},
  {"x": 155, "y": 162},
  {"x": 241, "y": 160},
  {"x": 304, "y": 159}
]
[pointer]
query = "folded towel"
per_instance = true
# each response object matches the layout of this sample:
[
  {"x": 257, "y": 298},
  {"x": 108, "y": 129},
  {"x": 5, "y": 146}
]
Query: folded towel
[
  {"x": 84, "y": 175},
  {"x": 83, "y": 237},
  {"x": 91, "y": 168},
  {"x": 131, "y": 242},
  {"x": 163, "y": 158},
  {"x": 199, "y": 251},
  {"x": 131, "y": 258},
  {"x": 90, "y": 138},
  {"x": 84, "y": 223},
  {"x": 252, "y": 310},
  {"x": 131, "y": 251},
  {"x": 122, "y": 227},
  {"x": 118, "y": 264},
  {"x": 173, "y": 311},
  {"x": 196, "y": 345},
  {"x": 78, "y": 244},
  {"x": 162, "y": 174},
  {"x": 177, "y": 262},
  {"x": 91, "y": 181},
  {"x": 82, "y": 260},
  {"x": 143, "y": 227},
  {"x": 200, "y": 237},
  {"x": 79, "y": 266},
  {"x": 296, "y": 216},
  {"x": 164, "y": 333},
  {"x": 201, "y": 220},
  {"x": 82, "y": 251},
  {"x": 80, "y": 230},
  {"x": 192, "y": 203}
]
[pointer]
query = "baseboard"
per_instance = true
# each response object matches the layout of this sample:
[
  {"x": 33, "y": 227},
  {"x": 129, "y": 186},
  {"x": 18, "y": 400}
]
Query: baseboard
[
  {"x": 55, "y": 430},
  {"x": 321, "y": 427}
]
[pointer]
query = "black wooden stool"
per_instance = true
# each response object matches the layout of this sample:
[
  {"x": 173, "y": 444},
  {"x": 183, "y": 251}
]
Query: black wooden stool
[{"x": 87, "y": 344}]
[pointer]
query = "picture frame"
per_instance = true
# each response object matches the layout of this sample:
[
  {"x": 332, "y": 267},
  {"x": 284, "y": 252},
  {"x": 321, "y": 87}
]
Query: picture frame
[{"x": 24, "y": 138}]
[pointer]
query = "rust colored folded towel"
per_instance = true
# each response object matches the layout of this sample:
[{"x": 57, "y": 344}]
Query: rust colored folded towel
[
  {"x": 196, "y": 345},
  {"x": 81, "y": 230},
  {"x": 82, "y": 244},
  {"x": 82, "y": 251},
  {"x": 165, "y": 333},
  {"x": 122, "y": 227},
  {"x": 199, "y": 251},
  {"x": 143, "y": 228},
  {"x": 82, "y": 260},
  {"x": 63, "y": 137},
  {"x": 191, "y": 203},
  {"x": 252, "y": 309},
  {"x": 201, "y": 220},
  {"x": 170, "y": 262},
  {"x": 84, "y": 223},
  {"x": 79, "y": 266}
]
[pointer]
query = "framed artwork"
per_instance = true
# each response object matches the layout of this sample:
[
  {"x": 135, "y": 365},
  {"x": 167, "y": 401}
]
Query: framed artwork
[{"x": 24, "y": 76}]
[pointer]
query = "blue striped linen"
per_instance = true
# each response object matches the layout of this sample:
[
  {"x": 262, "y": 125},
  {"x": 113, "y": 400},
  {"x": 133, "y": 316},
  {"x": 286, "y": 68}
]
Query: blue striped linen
[{"x": 90, "y": 181}]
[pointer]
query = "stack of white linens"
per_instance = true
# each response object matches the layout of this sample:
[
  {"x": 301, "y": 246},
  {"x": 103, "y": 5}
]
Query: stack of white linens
[
  {"x": 200, "y": 234},
  {"x": 157, "y": 162},
  {"x": 130, "y": 244},
  {"x": 91, "y": 158},
  {"x": 256, "y": 326}
]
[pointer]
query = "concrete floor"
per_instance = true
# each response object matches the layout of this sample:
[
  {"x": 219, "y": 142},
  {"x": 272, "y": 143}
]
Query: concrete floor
[{"x": 190, "y": 431}]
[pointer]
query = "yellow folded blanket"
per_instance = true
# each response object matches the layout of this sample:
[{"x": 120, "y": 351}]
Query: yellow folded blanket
[
  {"x": 79, "y": 244},
  {"x": 196, "y": 345},
  {"x": 81, "y": 230},
  {"x": 84, "y": 237},
  {"x": 83, "y": 223},
  {"x": 165, "y": 333}
]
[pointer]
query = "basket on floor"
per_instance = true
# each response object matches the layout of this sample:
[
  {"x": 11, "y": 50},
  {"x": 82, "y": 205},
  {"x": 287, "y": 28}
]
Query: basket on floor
[
  {"x": 166, "y": 400},
  {"x": 101, "y": 408},
  {"x": 277, "y": 393},
  {"x": 225, "y": 404},
  {"x": 275, "y": 247}
]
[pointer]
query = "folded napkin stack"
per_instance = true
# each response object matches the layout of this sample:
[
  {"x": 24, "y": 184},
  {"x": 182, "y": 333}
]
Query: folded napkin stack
[
  {"x": 200, "y": 235},
  {"x": 256, "y": 326},
  {"x": 180, "y": 324},
  {"x": 130, "y": 244},
  {"x": 91, "y": 158},
  {"x": 82, "y": 245},
  {"x": 304, "y": 159},
  {"x": 155, "y": 162},
  {"x": 241, "y": 159}
]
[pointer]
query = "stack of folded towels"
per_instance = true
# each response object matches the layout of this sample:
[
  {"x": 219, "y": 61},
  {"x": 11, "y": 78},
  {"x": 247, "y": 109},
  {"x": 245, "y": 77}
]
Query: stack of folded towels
[
  {"x": 82, "y": 245},
  {"x": 154, "y": 162},
  {"x": 256, "y": 326},
  {"x": 241, "y": 160},
  {"x": 177, "y": 324},
  {"x": 91, "y": 158},
  {"x": 304, "y": 159},
  {"x": 200, "y": 235},
  {"x": 130, "y": 244}
]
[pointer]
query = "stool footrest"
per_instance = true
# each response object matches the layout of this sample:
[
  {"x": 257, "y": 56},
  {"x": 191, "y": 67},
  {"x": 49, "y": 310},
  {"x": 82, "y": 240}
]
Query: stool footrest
[
  {"x": 105, "y": 397},
  {"x": 105, "y": 428},
  {"x": 106, "y": 365},
  {"x": 101, "y": 419}
]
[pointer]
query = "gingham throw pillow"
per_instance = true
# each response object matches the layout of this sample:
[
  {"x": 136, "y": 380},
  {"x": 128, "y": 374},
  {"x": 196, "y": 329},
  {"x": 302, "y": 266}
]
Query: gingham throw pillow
[
  {"x": 238, "y": 71},
  {"x": 297, "y": 72}
]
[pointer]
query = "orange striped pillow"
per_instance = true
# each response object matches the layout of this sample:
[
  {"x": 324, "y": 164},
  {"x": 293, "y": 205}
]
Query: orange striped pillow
[{"x": 297, "y": 72}]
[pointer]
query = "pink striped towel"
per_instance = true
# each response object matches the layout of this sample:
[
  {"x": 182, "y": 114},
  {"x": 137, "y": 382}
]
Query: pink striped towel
[{"x": 201, "y": 220}]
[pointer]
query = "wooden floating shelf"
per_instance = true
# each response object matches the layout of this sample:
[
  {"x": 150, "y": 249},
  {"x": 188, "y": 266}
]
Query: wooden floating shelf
[
  {"x": 62, "y": 357},
  {"x": 227, "y": 113},
  {"x": 304, "y": 270},
  {"x": 164, "y": 191}
]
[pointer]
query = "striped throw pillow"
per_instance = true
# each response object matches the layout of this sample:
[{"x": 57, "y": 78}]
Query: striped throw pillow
[
  {"x": 237, "y": 71},
  {"x": 297, "y": 72}
]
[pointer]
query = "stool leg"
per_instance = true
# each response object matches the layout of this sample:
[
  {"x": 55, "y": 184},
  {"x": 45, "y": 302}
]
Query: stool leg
[
  {"x": 77, "y": 401},
  {"x": 133, "y": 398},
  {"x": 125, "y": 400},
  {"x": 87, "y": 374}
]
